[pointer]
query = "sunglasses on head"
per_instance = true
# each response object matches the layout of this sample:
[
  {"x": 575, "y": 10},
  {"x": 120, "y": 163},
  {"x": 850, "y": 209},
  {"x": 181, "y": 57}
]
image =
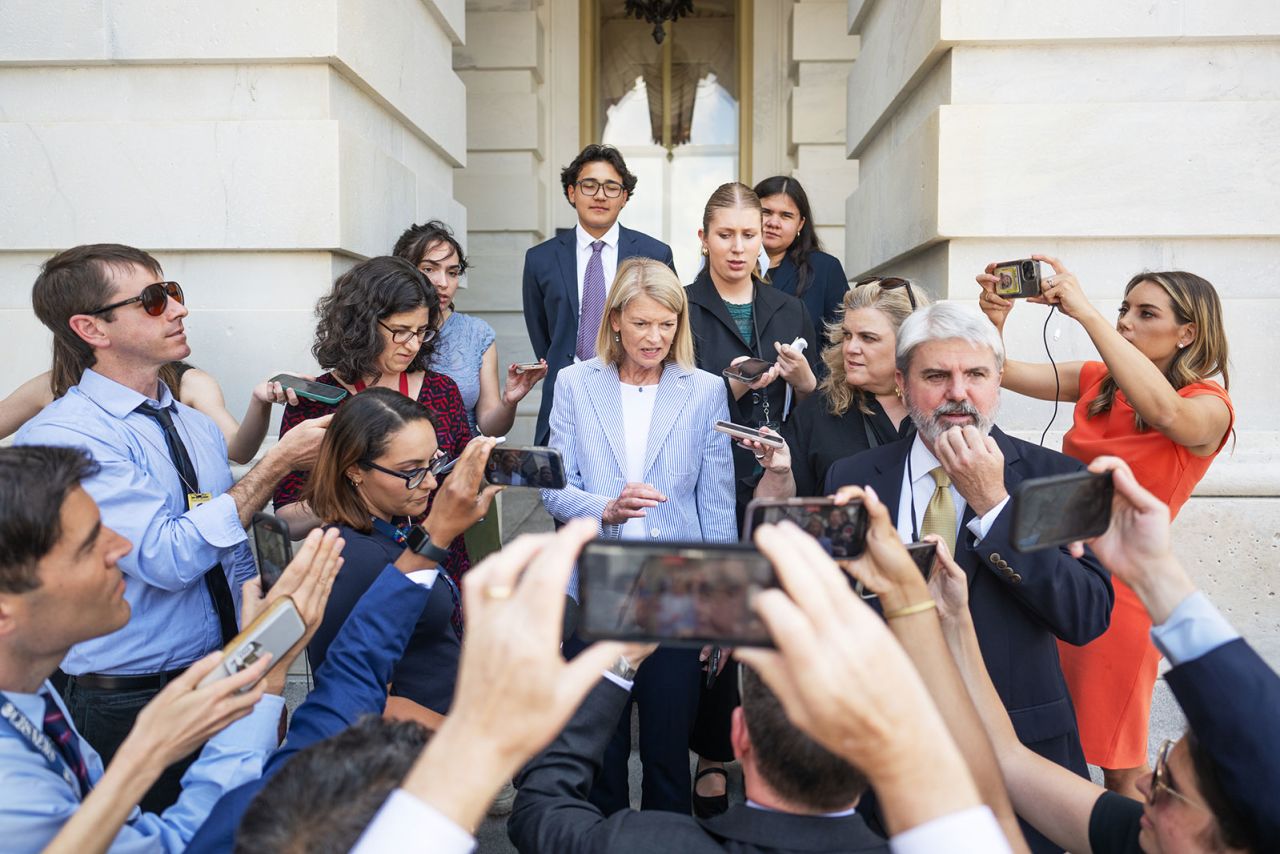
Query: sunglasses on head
[
  {"x": 889, "y": 283},
  {"x": 154, "y": 298}
]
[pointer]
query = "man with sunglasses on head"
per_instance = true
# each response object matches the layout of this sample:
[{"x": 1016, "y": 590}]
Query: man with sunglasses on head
[
  {"x": 567, "y": 277},
  {"x": 163, "y": 482}
]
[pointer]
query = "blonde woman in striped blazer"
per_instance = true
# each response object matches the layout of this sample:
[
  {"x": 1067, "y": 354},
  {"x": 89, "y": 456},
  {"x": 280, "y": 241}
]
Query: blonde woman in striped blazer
[{"x": 634, "y": 428}]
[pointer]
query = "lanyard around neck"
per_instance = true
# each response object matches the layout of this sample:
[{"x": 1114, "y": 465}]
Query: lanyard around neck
[
  {"x": 39, "y": 742},
  {"x": 360, "y": 386},
  {"x": 911, "y": 485}
]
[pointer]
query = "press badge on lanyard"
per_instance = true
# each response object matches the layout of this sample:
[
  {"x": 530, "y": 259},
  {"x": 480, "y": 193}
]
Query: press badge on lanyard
[{"x": 195, "y": 499}]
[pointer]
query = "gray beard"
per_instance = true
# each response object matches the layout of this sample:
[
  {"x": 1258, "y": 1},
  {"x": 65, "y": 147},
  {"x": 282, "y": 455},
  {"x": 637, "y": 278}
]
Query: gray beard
[{"x": 931, "y": 426}]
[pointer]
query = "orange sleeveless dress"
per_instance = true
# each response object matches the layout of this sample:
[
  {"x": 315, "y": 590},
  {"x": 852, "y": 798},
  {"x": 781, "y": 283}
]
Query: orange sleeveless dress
[{"x": 1112, "y": 678}]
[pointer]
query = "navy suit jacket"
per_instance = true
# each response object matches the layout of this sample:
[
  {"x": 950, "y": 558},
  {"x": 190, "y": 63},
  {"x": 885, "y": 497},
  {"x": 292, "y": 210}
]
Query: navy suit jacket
[
  {"x": 1231, "y": 697},
  {"x": 551, "y": 302},
  {"x": 1020, "y": 602},
  {"x": 552, "y": 813},
  {"x": 350, "y": 684}
]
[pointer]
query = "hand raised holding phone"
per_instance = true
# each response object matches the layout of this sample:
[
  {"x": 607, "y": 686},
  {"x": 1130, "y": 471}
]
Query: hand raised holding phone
[{"x": 459, "y": 502}]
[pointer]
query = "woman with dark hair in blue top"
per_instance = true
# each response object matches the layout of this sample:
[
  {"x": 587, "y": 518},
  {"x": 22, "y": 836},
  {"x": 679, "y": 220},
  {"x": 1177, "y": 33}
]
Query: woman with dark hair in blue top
[{"x": 797, "y": 264}]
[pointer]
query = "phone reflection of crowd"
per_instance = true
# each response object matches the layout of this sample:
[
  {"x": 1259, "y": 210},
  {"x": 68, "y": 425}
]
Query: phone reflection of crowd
[{"x": 678, "y": 597}]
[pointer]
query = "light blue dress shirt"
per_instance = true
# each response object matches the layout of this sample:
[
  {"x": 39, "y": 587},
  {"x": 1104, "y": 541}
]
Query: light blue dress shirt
[
  {"x": 1194, "y": 629},
  {"x": 35, "y": 801},
  {"x": 142, "y": 497}
]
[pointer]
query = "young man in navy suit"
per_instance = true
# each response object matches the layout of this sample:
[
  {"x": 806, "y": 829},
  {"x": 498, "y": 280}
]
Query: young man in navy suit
[
  {"x": 953, "y": 478},
  {"x": 567, "y": 277}
]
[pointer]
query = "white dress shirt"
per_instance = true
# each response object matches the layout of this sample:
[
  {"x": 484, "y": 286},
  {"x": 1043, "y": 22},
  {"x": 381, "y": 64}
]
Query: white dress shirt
[
  {"x": 971, "y": 831},
  {"x": 405, "y": 823},
  {"x": 608, "y": 255},
  {"x": 922, "y": 461}
]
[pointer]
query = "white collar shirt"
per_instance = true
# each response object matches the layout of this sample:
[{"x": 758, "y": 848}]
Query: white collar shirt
[{"x": 920, "y": 490}]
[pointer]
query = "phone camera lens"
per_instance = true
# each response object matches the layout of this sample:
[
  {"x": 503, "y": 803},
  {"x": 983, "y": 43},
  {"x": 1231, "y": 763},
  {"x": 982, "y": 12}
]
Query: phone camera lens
[{"x": 1028, "y": 269}]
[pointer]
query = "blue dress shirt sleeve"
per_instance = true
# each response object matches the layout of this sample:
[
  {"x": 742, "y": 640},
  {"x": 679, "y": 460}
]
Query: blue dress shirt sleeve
[{"x": 1195, "y": 628}]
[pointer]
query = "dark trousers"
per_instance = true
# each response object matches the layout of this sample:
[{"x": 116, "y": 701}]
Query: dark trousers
[
  {"x": 712, "y": 731},
  {"x": 104, "y": 719},
  {"x": 666, "y": 691}
]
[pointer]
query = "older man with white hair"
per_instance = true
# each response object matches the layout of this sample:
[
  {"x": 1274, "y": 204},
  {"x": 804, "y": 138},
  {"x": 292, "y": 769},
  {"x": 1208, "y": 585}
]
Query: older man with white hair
[{"x": 953, "y": 478}]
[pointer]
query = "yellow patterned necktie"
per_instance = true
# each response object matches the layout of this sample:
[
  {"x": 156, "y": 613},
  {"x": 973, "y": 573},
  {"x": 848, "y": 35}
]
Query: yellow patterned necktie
[{"x": 940, "y": 515}]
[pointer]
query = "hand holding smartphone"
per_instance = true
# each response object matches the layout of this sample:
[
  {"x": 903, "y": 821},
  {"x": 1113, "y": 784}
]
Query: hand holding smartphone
[
  {"x": 273, "y": 546},
  {"x": 274, "y": 631},
  {"x": 1017, "y": 279},
  {"x": 841, "y": 530},
  {"x": 738, "y": 431},
  {"x": 747, "y": 371},
  {"x": 535, "y": 466},
  {"x": 1060, "y": 509},
  {"x": 311, "y": 390}
]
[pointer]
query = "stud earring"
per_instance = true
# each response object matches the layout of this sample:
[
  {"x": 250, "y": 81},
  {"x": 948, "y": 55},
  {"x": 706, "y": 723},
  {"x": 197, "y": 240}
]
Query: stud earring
[
  {"x": 617, "y": 337},
  {"x": 705, "y": 252}
]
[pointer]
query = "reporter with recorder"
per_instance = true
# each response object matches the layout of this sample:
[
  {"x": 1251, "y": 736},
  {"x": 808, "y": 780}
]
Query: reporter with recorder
[
  {"x": 1217, "y": 789},
  {"x": 373, "y": 476},
  {"x": 1151, "y": 402},
  {"x": 60, "y": 585},
  {"x": 633, "y": 425}
]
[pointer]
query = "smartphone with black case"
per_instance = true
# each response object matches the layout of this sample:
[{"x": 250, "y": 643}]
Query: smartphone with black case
[
  {"x": 1018, "y": 279},
  {"x": 924, "y": 554},
  {"x": 312, "y": 391},
  {"x": 747, "y": 371},
  {"x": 679, "y": 594},
  {"x": 274, "y": 548},
  {"x": 535, "y": 466},
  {"x": 1059, "y": 509},
  {"x": 840, "y": 530},
  {"x": 738, "y": 431},
  {"x": 275, "y": 630}
]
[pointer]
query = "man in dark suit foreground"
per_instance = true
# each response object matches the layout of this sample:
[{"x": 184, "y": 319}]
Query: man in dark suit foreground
[
  {"x": 953, "y": 479},
  {"x": 567, "y": 277},
  {"x": 799, "y": 796}
]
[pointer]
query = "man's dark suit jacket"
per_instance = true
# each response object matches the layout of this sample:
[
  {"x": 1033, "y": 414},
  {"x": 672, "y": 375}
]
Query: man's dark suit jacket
[
  {"x": 350, "y": 684},
  {"x": 552, "y": 813},
  {"x": 551, "y": 301},
  {"x": 1020, "y": 602},
  {"x": 1232, "y": 702}
]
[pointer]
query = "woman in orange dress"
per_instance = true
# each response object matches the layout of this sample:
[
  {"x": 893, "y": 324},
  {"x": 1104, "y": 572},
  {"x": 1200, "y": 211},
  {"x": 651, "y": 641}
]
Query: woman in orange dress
[{"x": 1150, "y": 402}]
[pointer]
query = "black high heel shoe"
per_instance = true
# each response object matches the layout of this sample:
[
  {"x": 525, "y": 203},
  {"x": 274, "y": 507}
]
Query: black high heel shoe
[{"x": 709, "y": 806}]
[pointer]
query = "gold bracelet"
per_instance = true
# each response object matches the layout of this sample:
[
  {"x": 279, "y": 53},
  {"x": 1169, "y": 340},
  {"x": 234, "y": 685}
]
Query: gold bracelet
[{"x": 911, "y": 609}]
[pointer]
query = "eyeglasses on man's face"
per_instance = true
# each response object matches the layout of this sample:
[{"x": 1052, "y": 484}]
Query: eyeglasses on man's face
[
  {"x": 413, "y": 478},
  {"x": 889, "y": 283},
  {"x": 154, "y": 298},
  {"x": 403, "y": 336},
  {"x": 1162, "y": 782},
  {"x": 590, "y": 187}
]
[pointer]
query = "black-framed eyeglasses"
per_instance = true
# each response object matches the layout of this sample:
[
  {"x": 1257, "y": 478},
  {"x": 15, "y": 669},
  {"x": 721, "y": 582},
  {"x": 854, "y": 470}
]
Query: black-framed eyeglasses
[
  {"x": 412, "y": 478},
  {"x": 590, "y": 186},
  {"x": 154, "y": 298},
  {"x": 1162, "y": 783},
  {"x": 402, "y": 336},
  {"x": 889, "y": 283}
]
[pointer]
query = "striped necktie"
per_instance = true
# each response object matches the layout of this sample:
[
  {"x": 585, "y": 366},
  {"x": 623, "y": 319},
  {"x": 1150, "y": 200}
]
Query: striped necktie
[
  {"x": 593, "y": 294},
  {"x": 61, "y": 734}
]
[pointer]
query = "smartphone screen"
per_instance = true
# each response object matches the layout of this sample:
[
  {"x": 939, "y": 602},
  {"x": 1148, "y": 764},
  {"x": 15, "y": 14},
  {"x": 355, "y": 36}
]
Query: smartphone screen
[
  {"x": 541, "y": 468},
  {"x": 271, "y": 540},
  {"x": 747, "y": 371},
  {"x": 1053, "y": 511},
  {"x": 841, "y": 531},
  {"x": 924, "y": 555},
  {"x": 684, "y": 594},
  {"x": 312, "y": 391}
]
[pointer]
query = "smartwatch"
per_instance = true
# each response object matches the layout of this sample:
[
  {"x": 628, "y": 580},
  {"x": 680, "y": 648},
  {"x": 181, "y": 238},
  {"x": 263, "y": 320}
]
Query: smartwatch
[{"x": 420, "y": 544}]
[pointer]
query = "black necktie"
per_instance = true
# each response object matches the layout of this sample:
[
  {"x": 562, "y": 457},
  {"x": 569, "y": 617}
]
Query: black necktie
[{"x": 215, "y": 579}]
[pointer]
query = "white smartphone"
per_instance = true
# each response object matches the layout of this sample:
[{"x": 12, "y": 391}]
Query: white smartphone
[
  {"x": 737, "y": 431},
  {"x": 528, "y": 366},
  {"x": 275, "y": 630}
]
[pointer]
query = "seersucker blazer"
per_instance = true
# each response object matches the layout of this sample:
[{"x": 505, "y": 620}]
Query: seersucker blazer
[{"x": 685, "y": 459}]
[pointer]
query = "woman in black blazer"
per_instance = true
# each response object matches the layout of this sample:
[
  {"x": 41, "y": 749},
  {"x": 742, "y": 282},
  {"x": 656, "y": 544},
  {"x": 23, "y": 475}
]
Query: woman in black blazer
[
  {"x": 734, "y": 317},
  {"x": 797, "y": 264}
]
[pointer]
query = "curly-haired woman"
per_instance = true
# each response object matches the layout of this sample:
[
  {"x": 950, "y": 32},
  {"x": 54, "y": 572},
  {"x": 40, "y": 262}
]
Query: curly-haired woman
[{"x": 376, "y": 328}]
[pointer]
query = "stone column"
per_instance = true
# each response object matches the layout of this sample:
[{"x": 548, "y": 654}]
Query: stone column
[
  {"x": 503, "y": 184},
  {"x": 823, "y": 54},
  {"x": 256, "y": 155},
  {"x": 1118, "y": 137}
]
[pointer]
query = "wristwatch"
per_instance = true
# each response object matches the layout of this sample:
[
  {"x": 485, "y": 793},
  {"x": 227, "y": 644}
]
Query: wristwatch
[
  {"x": 623, "y": 669},
  {"x": 420, "y": 544}
]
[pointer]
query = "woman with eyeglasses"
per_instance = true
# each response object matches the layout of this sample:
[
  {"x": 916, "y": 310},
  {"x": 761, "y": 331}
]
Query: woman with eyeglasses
[
  {"x": 797, "y": 264},
  {"x": 858, "y": 404},
  {"x": 376, "y": 330},
  {"x": 464, "y": 348},
  {"x": 374, "y": 475},
  {"x": 189, "y": 384},
  {"x": 1152, "y": 402}
]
